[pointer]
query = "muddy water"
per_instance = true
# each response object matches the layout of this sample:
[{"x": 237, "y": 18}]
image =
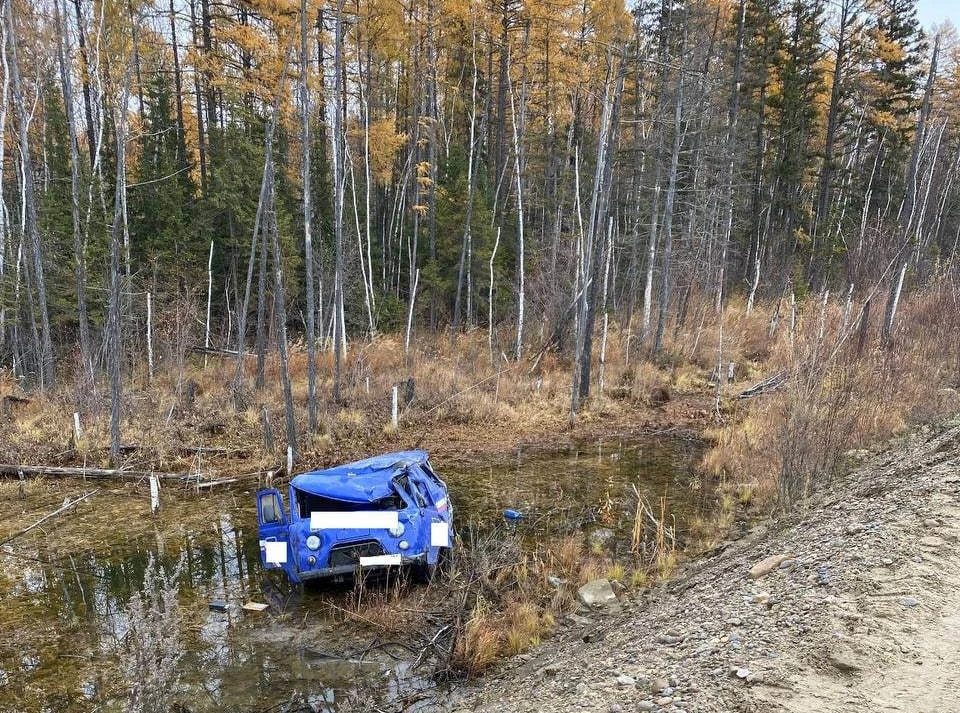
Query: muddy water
[{"x": 64, "y": 589}]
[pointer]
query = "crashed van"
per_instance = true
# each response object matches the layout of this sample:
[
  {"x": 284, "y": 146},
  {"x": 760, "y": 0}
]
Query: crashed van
[{"x": 389, "y": 510}]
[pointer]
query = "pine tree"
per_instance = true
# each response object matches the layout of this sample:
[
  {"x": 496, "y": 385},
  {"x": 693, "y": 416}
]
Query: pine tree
[{"x": 162, "y": 194}]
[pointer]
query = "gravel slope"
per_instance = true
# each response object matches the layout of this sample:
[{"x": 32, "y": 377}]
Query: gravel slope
[{"x": 864, "y": 614}]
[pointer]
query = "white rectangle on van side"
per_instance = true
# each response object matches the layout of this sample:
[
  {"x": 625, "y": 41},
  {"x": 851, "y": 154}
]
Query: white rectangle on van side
[
  {"x": 439, "y": 534},
  {"x": 379, "y": 560},
  {"x": 276, "y": 552},
  {"x": 360, "y": 520}
]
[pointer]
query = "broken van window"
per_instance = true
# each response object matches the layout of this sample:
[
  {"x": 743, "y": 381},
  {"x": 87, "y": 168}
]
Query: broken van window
[{"x": 308, "y": 503}]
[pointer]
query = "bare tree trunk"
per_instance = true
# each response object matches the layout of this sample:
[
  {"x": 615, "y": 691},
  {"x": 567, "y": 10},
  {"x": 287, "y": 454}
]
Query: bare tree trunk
[
  {"x": 281, "y": 323},
  {"x": 493, "y": 256},
  {"x": 336, "y": 136},
  {"x": 731, "y": 154},
  {"x": 521, "y": 249},
  {"x": 413, "y": 300},
  {"x": 178, "y": 86},
  {"x": 262, "y": 298},
  {"x": 257, "y": 224},
  {"x": 908, "y": 207},
  {"x": 45, "y": 357},
  {"x": 471, "y": 187},
  {"x": 601, "y": 186},
  {"x": 308, "y": 222},
  {"x": 606, "y": 314},
  {"x": 665, "y": 286},
  {"x": 85, "y": 81},
  {"x": 206, "y": 329},
  {"x": 892, "y": 303},
  {"x": 4, "y": 223},
  {"x": 79, "y": 262},
  {"x": 114, "y": 341}
]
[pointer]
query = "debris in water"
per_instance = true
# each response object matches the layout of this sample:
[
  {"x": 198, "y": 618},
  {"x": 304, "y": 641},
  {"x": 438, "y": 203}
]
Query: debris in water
[
  {"x": 217, "y": 605},
  {"x": 512, "y": 515},
  {"x": 255, "y": 606}
]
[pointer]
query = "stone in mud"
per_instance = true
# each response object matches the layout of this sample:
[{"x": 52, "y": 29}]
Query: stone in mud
[
  {"x": 910, "y": 601},
  {"x": 600, "y": 538},
  {"x": 551, "y": 669},
  {"x": 625, "y": 681},
  {"x": 767, "y": 565},
  {"x": 646, "y": 706},
  {"x": 597, "y": 593},
  {"x": 843, "y": 662},
  {"x": 658, "y": 684}
]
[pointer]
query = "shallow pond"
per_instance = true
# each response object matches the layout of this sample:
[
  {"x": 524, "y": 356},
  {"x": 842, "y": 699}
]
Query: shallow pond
[{"x": 65, "y": 588}]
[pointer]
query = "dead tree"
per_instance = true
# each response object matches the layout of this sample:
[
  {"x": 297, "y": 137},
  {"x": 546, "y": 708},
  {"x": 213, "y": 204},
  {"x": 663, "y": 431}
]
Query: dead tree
[
  {"x": 337, "y": 139},
  {"x": 45, "y": 359},
  {"x": 79, "y": 261},
  {"x": 665, "y": 286},
  {"x": 731, "y": 154},
  {"x": 257, "y": 225},
  {"x": 114, "y": 341},
  {"x": 280, "y": 313},
  {"x": 307, "y": 222},
  {"x": 598, "y": 207}
]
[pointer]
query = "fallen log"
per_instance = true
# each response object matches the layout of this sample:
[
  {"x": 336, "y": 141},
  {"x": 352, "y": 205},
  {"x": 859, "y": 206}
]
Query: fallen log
[
  {"x": 211, "y": 483},
  {"x": 33, "y": 471},
  {"x": 766, "y": 386},
  {"x": 216, "y": 351},
  {"x": 63, "y": 508}
]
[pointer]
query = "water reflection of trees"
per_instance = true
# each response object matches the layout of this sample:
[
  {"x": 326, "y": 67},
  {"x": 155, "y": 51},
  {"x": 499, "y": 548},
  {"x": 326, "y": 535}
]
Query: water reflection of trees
[{"x": 67, "y": 611}]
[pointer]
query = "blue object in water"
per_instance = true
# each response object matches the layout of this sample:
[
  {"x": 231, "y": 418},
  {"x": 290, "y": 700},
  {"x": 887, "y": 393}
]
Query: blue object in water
[
  {"x": 387, "y": 510},
  {"x": 512, "y": 515}
]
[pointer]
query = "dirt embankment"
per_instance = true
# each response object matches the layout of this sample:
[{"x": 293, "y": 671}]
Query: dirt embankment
[{"x": 861, "y": 614}]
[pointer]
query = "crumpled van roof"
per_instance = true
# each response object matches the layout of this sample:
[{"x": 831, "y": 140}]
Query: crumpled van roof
[{"x": 366, "y": 480}]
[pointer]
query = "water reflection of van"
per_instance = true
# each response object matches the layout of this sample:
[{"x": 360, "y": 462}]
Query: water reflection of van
[{"x": 389, "y": 510}]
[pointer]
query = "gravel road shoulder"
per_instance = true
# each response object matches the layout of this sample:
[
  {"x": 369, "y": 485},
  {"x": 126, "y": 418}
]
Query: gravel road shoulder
[{"x": 861, "y": 614}]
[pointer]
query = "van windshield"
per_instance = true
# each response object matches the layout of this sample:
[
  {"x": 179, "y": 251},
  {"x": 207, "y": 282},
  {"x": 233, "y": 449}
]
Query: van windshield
[{"x": 308, "y": 503}]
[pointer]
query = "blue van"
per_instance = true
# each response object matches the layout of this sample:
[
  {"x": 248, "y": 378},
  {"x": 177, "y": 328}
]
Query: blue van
[{"x": 388, "y": 510}]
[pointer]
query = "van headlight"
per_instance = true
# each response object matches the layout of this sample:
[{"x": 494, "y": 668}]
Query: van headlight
[
  {"x": 313, "y": 542},
  {"x": 398, "y": 530}
]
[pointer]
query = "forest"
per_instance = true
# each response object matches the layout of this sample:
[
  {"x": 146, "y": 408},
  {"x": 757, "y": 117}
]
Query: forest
[{"x": 270, "y": 170}]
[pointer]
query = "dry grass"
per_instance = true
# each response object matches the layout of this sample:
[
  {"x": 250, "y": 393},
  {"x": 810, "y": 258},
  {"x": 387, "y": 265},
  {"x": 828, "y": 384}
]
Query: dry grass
[
  {"x": 189, "y": 403},
  {"x": 839, "y": 396}
]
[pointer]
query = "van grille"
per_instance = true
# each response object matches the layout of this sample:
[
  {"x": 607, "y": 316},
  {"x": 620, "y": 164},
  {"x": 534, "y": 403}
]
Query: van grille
[{"x": 351, "y": 552}]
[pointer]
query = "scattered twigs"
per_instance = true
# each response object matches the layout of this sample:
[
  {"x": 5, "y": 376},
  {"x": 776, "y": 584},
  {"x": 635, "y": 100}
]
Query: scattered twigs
[
  {"x": 63, "y": 508},
  {"x": 432, "y": 644}
]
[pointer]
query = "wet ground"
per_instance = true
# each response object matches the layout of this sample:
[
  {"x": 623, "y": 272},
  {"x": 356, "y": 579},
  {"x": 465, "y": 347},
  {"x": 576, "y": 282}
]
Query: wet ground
[{"x": 65, "y": 586}]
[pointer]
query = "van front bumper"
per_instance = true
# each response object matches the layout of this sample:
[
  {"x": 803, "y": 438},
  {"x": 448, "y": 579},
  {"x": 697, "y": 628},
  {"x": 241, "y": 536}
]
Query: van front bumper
[{"x": 341, "y": 570}]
